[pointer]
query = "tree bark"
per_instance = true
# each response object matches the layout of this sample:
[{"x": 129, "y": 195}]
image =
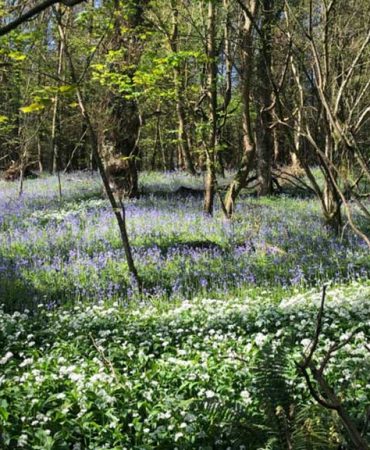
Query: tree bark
[
  {"x": 118, "y": 209},
  {"x": 124, "y": 113},
  {"x": 122, "y": 164},
  {"x": 332, "y": 201},
  {"x": 264, "y": 132},
  {"x": 33, "y": 12},
  {"x": 249, "y": 148},
  {"x": 182, "y": 134},
  {"x": 211, "y": 150},
  {"x": 55, "y": 126}
]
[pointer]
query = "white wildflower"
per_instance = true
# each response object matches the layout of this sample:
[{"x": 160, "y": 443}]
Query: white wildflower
[
  {"x": 246, "y": 397},
  {"x": 60, "y": 396},
  {"x": 75, "y": 376},
  {"x": 178, "y": 436},
  {"x": 26, "y": 362},
  {"x": 210, "y": 394},
  {"x": 260, "y": 339},
  {"x": 6, "y": 358},
  {"x": 306, "y": 342},
  {"x": 22, "y": 440}
]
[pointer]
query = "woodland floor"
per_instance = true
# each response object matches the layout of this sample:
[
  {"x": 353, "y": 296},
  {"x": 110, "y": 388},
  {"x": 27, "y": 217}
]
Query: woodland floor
[{"x": 206, "y": 359}]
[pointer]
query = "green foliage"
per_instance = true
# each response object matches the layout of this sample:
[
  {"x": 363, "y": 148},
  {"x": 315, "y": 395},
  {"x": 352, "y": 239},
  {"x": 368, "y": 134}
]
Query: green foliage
[
  {"x": 34, "y": 107},
  {"x": 152, "y": 78},
  {"x": 92, "y": 366},
  {"x": 44, "y": 96},
  {"x": 17, "y": 56},
  {"x": 200, "y": 374}
]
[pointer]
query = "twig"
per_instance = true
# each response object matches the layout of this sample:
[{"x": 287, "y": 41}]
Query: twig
[
  {"x": 312, "y": 391},
  {"x": 108, "y": 364},
  {"x": 308, "y": 359},
  {"x": 334, "y": 348}
]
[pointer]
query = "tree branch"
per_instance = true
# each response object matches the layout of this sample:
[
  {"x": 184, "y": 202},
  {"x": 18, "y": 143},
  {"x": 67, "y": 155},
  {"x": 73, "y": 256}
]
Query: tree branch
[
  {"x": 31, "y": 13},
  {"x": 307, "y": 361}
]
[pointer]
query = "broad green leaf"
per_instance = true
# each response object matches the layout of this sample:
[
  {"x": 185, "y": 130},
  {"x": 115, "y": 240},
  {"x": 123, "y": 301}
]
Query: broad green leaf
[
  {"x": 34, "y": 107},
  {"x": 17, "y": 56},
  {"x": 3, "y": 410},
  {"x": 67, "y": 88}
]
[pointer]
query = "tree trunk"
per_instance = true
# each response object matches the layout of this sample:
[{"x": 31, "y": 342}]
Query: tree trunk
[
  {"x": 124, "y": 113},
  {"x": 209, "y": 186},
  {"x": 211, "y": 150},
  {"x": 227, "y": 70},
  {"x": 39, "y": 153},
  {"x": 55, "y": 128},
  {"x": 182, "y": 134},
  {"x": 122, "y": 165},
  {"x": 249, "y": 148},
  {"x": 118, "y": 208},
  {"x": 332, "y": 213},
  {"x": 265, "y": 142},
  {"x": 332, "y": 200}
]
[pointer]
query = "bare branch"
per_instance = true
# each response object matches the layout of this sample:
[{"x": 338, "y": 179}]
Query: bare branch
[
  {"x": 333, "y": 349},
  {"x": 33, "y": 12},
  {"x": 325, "y": 394},
  {"x": 108, "y": 364},
  {"x": 329, "y": 167},
  {"x": 350, "y": 72},
  {"x": 312, "y": 391},
  {"x": 307, "y": 361}
]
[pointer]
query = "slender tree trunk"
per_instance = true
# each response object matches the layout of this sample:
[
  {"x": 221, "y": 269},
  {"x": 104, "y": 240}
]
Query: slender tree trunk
[
  {"x": 171, "y": 158},
  {"x": 54, "y": 125},
  {"x": 211, "y": 150},
  {"x": 39, "y": 152},
  {"x": 182, "y": 134},
  {"x": 24, "y": 155},
  {"x": 157, "y": 145},
  {"x": 118, "y": 208},
  {"x": 249, "y": 148},
  {"x": 332, "y": 201},
  {"x": 39, "y": 137},
  {"x": 264, "y": 132},
  {"x": 21, "y": 171},
  {"x": 298, "y": 129},
  {"x": 165, "y": 165}
]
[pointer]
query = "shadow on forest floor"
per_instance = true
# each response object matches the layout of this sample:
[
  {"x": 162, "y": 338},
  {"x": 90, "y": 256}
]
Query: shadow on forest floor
[{"x": 17, "y": 293}]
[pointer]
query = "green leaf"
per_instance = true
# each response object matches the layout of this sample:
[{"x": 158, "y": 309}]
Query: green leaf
[
  {"x": 4, "y": 119},
  {"x": 3, "y": 410},
  {"x": 66, "y": 89},
  {"x": 17, "y": 56},
  {"x": 34, "y": 107}
]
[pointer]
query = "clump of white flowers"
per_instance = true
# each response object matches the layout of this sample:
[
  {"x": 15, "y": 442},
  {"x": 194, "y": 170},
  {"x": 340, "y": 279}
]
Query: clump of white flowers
[
  {"x": 6, "y": 358},
  {"x": 152, "y": 375}
]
